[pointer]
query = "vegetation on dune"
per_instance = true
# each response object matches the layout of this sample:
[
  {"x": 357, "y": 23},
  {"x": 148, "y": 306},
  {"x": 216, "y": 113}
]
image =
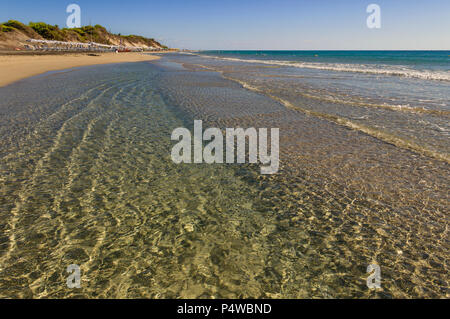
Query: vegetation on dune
[
  {"x": 95, "y": 33},
  {"x": 17, "y": 25},
  {"x": 88, "y": 34},
  {"x": 133, "y": 37},
  {"x": 5, "y": 28},
  {"x": 47, "y": 31},
  {"x": 53, "y": 32}
]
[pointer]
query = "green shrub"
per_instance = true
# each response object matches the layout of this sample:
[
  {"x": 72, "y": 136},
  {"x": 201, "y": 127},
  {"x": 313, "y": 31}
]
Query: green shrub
[
  {"x": 5, "y": 28},
  {"x": 21, "y": 27},
  {"x": 79, "y": 31},
  {"x": 43, "y": 29},
  {"x": 48, "y": 31},
  {"x": 100, "y": 27},
  {"x": 89, "y": 33},
  {"x": 15, "y": 24}
]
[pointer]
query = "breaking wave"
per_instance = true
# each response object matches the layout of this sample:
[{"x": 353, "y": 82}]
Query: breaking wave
[{"x": 356, "y": 68}]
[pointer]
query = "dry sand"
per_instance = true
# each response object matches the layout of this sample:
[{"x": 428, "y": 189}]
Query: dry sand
[{"x": 17, "y": 67}]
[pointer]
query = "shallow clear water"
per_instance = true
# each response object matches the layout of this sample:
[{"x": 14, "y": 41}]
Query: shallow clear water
[{"x": 87, "y": 179}]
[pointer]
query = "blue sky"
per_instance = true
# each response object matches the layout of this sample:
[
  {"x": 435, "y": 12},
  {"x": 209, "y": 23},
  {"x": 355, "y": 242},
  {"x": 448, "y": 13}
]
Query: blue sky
[{"x": 252, "y": 24}]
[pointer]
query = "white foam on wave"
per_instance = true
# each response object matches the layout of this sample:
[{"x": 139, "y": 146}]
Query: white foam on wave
[{"x": 357, "y": 68}]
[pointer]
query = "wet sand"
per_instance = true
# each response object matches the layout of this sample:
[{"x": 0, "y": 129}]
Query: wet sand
[{"x": 17, "y": 67}]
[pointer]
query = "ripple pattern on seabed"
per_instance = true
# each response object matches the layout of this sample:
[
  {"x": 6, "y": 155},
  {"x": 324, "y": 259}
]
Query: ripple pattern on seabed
[{"x": 86, "y": 178}]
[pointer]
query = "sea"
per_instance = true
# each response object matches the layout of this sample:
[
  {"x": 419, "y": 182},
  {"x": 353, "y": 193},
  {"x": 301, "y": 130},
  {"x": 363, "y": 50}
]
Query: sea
[{"x": 87, "y": 179}]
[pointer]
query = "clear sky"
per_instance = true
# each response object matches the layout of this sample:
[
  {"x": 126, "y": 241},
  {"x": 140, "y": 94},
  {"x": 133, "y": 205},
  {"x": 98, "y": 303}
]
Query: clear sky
[{"x": 256, "y": 24}]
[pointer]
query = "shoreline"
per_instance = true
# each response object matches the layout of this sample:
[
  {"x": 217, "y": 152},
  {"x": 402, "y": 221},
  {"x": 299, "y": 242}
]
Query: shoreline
[{"x": 19, "y": 67}]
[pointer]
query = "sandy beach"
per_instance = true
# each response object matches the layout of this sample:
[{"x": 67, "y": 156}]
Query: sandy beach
[{"x": 17, "y": 67}]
